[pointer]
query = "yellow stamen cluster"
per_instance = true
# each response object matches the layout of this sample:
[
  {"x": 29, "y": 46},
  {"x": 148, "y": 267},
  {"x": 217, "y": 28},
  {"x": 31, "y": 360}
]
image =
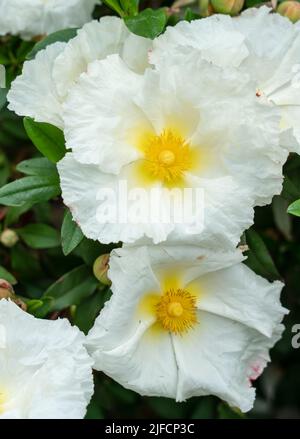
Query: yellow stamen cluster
[
  {"x": 167, "y": 157},
  {"x": 176, "y": 311}
]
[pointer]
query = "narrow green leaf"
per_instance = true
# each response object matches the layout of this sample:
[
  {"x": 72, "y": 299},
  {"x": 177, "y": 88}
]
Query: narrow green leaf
[
  {"x": 149, "y": 23},
  {"x": 63, "y": 35},
  {"x": 294, "y": 208},
  {"x": 40, "y": 166},
  {"x": 71, "y": 235},
  {"x": 48, "y": 139},
  {"x": 31, "y": 189},
  {"x": 71, "y": 289},
  {"x": 39, "y": 236},
  {"x": 258, "y": 256},
  {"x": 4, "y": 274}
]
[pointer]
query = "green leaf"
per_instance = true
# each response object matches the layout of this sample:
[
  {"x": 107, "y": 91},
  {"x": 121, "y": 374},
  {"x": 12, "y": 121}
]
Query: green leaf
[
  {"x": 39, "y": 236},
  {"x": 89, "y": 250},
  {"x": 89, "y": 308},
  {"x": 71, "y": 235},
  {"x": 130, "y": 7},
  {"x": 71, "y": 288},
  {"x": 115, "y": 6},
  {"x": 48, "y": 139},
  {"x": 40, "y": 166},
  {"x": 226, "y": 412},
  {"x": 4, "y": 274},
  {"x": 189, "y": 15},
  {"x": 294, "y": 208},
  {"x": 290, "y": 189},
  {"x": 205, "y": 409},
  {"x": 259, "y": 258},
  {"x": 3, "y": 94},
  {"x": 31, "y": 189},
  {"x": 39, "y": 308},
  {"x": 14, "y": 213},
  {"x": 63, "y": 35},
  {"x": 282, "y": 220},
  {"x": 148, "y": 23}
]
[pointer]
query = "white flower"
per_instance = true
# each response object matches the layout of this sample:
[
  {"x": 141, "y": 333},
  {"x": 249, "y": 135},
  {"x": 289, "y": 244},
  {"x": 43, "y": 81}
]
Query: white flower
[
  {"x": 191, "y": 125},
  {"x": 30, "y": 18},
  {"x": 45, "y": 370},
  {"x": 264, "y": 44},
  {"x": 45, "y": 81},
  {"x": 183, "y": 322}
]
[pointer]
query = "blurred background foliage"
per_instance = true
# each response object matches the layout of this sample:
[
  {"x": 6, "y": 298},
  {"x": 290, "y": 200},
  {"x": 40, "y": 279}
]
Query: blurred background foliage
[{"x": 50, "y": 264}]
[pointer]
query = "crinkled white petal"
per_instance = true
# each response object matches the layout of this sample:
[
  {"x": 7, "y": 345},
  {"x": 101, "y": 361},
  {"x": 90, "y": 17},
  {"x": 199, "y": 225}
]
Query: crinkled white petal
[
  {"x": 34, "y": 93},
  {"x": 263, "y": 44},
  {"x": 30, "y": 18},
  {"x": 94, "y": 200},
  {"x": 45, "y": 371},
  {"x": 97, "y": 40},
  {"x": 99, "y": 113},
  {"x": 221, "y": 355}
]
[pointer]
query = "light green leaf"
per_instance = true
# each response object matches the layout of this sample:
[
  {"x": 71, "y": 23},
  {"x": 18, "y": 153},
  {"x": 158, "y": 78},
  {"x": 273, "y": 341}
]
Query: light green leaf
[
  {"x": 48, "y": 139},
  {"x": 148, "y": 23},
  {"x": 4, "y": 274},
  {"x": 31, "y": 189},
  {"x": 130, "y": 7},
  {"x": 294, "y": 208},
  {"x": 63, "y": 35},
  {"x": 39, "y": 236},
  {"x": 71, "y": 289},
  {"x": 71, "y": 235}
]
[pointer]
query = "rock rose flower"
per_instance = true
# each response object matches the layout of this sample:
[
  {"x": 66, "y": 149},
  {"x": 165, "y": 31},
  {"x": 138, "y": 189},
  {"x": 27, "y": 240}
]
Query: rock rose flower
[
  {"x": 45, "y": 370},
  {"x": 184, "y": 321},
  {"x": 191, "y": 125},
  {"x": 30, "y": 18}
]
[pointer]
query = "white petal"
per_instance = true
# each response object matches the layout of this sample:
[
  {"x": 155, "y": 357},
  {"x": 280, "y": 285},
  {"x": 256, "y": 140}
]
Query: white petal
[
  {"x": 45, "y": 371},
  {"x": 239, "y": 294},
  {"x": 95, "y": 41},
  {"x": 99, "y": 115},
  {"x": 30, "y": 18},
  {"x": 220, "y": 358},
  {"x": 33, "y": 93}
]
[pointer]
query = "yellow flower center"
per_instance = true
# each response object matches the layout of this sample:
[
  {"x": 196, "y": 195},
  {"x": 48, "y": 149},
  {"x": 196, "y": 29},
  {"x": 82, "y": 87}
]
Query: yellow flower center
[
  {"x": 168, "y": 157},
  {"x": 176, "y": 311}
]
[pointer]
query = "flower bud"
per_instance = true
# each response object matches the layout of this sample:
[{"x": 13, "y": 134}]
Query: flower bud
[
  {"x": 100, "y": 268},
  {"x": 9, "y": 238},
  {"x": 6, "y": 290},
  {"x": 205, "y": 8},
  {"x": 231, "y": 7},
  {"x": 290, "y": 9}
]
